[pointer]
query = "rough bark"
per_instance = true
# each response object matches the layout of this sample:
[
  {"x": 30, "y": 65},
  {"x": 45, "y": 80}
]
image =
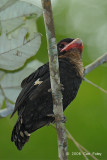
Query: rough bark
[{"x": 55, "y": 79}]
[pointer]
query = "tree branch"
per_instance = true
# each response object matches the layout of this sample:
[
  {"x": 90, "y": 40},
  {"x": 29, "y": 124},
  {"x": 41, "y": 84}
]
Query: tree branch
[
  {"x": 55, "y": 79},
  {"x": 79, "y": 146},
  {"x": 95, "y": 85},
  {"x": 96, "y": 63}
]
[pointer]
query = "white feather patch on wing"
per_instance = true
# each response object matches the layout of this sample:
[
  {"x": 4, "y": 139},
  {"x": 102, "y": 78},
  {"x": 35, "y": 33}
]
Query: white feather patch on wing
[
  {"x": 26, "y": 133},
  {"x": 37, "y": 82}
]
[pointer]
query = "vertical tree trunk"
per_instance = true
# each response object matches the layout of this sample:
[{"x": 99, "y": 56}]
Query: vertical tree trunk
[{"x": 55, "y": 79}]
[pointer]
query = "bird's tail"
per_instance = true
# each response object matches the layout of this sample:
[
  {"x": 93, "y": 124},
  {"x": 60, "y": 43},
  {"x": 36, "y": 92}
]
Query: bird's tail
[{"x": 19, "y": 135}]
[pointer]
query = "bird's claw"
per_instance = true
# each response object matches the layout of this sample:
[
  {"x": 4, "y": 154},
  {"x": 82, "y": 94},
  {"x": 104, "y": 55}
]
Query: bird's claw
[{"x": 62, "y": 119}]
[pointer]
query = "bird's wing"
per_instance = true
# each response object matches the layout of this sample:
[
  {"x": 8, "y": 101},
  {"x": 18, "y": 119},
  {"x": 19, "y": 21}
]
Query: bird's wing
[
  {"x": 35, "y": 75},
  {"x": 30, "y": 83}
]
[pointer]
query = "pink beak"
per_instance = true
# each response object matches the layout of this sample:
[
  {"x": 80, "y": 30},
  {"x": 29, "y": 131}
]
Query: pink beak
[{"x": 76, "y": 43}]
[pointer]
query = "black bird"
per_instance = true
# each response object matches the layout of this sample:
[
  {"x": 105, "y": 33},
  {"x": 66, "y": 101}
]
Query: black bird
[{"x": 34, "y": 103}]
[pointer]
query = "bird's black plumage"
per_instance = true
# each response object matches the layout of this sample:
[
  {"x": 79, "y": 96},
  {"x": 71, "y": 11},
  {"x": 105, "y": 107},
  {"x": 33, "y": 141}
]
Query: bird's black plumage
[{"x": 34, "y": 103}]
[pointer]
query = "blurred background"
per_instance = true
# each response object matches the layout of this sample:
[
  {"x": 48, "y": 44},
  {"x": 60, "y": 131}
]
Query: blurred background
[{"x": 87, "y": 114}]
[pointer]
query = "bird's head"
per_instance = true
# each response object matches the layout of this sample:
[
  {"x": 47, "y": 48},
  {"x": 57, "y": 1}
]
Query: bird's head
[
  {"x": 71, "y": 49},
  {"x": 70, "y": 46}
]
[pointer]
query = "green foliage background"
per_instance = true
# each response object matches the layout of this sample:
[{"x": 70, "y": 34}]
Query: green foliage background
[{"x": 87, "y": 114}]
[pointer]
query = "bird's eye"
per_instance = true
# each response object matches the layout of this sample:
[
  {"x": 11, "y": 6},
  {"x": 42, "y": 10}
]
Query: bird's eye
[{"x": 61, "y": 46}]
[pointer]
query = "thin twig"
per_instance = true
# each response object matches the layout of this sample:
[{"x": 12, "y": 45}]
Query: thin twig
[
  {"x": 95, "y": 85},
  {"x": 55, "y": 79},
  {"x": 96, "y": 63},
  {"x": 84, "y": 149},
  {"x": 79, "y": 146},
  {"x": 69, "y": 136}
]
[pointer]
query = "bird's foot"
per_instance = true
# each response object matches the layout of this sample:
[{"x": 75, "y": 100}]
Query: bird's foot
[
  {"x": 63, "y": 119},
  {"x": 61, "y": 85}
]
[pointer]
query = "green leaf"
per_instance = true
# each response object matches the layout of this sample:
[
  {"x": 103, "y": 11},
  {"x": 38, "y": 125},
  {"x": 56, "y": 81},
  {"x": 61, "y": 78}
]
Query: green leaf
[
  {"x": 6, "y": 3},
  {"x": 1, "y": 99},
  {"x": 14, "y": 52},
  {"x": 33, "y": 2},
  {"x": 16, "y": 15},
  {"x": 10, "y": 82},
  {"x": 19, "y": 9},
  {"x": 7, "y": 111}
]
